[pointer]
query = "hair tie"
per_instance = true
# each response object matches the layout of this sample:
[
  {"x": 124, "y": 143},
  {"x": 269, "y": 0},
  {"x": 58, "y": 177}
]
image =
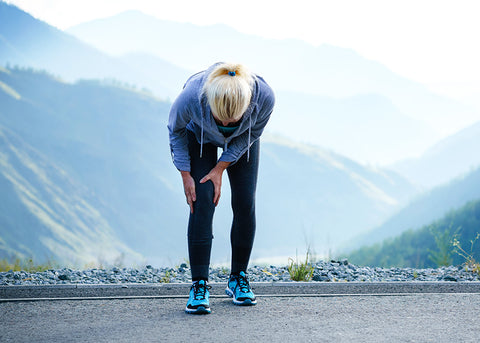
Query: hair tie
[{"x": 231, "y": 73}]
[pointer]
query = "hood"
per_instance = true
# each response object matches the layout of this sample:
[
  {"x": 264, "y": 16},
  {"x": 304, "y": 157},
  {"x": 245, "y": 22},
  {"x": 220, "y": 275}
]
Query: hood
[{"x": 208, "y": 123}]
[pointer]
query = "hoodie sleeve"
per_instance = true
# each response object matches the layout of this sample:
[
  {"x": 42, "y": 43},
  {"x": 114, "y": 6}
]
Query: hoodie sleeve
[
  {"x": 180, "y": 116},
  {"x": 239, "y": 145}
]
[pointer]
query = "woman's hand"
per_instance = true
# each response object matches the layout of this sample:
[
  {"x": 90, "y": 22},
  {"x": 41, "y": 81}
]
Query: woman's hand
[
  {"x": 189, "y": 188},
  {"x": 215, "y": 176}
]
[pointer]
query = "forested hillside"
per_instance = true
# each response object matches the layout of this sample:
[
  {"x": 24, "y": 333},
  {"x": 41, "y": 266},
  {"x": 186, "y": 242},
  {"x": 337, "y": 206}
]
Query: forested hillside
[
  {"x": 428, "y": 246},
  {"x": 425, "y": 208}
]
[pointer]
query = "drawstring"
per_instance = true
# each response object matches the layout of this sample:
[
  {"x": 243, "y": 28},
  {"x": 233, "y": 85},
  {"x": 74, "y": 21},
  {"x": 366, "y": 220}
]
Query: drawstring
[
  {"x": 249, "y": 134},
  {"x": 201, "y": 140}
]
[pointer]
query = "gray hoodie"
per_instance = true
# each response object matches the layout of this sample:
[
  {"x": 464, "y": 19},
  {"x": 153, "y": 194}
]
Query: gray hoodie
[{"x": 191, "y": 111}]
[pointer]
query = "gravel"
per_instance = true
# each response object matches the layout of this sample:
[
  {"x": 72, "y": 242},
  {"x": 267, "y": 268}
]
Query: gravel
[{"x": 333, "y": 271}]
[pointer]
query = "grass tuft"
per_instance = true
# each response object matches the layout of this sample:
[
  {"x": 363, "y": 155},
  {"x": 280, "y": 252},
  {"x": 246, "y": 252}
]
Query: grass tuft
[
  {"x": 300, "y": 271},
  {"x": 16, "y": 264},
  {"x": 169, "y": 275},
  {"x": 470, "y": 262}
]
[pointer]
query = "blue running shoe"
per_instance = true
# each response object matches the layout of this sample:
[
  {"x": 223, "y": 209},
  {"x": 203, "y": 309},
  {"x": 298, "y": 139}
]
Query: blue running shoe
[
  {"x": 239, "y": 289},
  {"x": 198, "y": 302}
]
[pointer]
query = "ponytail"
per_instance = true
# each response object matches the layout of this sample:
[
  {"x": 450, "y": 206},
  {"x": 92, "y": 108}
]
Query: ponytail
[{"x": 229, "y": 90}]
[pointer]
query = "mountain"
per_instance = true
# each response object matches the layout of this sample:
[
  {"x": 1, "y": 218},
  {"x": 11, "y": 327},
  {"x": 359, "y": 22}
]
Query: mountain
[
  {"x": 309, "y": 195},
  {"x": 113, "y": 141},
  {"x": 366, "y": 128},
  {"x": 448, "y": 159},
  {"x": 29, "y": 42},
  {"x": 289, "y": 64},
  {"x": 107, "y": 139},
  {"x": 357, "y": 104},
  {"x": 156, "y": 74},
  {"x": 426, "y": 208},
  {"x": 430, "y": 245},
  {"x": 45, "y": 214}
]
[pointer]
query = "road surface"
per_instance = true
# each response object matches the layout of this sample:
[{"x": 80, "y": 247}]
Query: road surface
[{"x": 400, "y": 317}]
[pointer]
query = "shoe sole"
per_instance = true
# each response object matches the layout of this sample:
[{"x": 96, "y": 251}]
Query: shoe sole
[
  {"x": 198, "y": 310},
  {"x": 246, "y": 302}
]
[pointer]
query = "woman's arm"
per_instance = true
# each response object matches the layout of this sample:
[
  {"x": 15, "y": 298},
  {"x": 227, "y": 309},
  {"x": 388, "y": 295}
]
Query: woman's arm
[{"x": 178, "y": 119}]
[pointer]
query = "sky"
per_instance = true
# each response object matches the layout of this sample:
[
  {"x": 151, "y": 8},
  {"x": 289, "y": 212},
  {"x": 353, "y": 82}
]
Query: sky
[{"x": 431, "y": 42}]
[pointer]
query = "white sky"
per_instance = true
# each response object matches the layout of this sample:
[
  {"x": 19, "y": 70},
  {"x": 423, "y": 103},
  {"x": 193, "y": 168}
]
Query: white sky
[{"x": 434, "y": 42}]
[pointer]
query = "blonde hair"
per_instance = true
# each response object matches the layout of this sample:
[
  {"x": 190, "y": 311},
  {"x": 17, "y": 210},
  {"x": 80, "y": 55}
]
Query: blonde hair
[{"x": 229, "y": 89}]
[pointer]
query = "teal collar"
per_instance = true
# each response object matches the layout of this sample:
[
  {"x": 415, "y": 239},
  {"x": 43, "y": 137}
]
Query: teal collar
[{"x": 227, "y": 130}]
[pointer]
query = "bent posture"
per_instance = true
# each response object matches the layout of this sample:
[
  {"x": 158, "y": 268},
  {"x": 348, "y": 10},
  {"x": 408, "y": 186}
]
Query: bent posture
[{"x": 225, "y": 107}]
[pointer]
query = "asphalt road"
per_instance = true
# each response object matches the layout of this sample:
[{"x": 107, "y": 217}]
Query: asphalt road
[{"x": 447, "y": 317}]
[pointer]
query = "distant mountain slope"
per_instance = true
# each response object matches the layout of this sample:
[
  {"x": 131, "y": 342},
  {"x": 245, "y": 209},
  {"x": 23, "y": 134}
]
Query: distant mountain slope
[
  {"x": 426, "y": 208},
  {"x": 26, "y": 41},
  {"x": 449, "y": 158},
  {"x": 366, "y": 128},
  {"x": 114, "y": 141},
  {"x": 311, "y": 195},
  {"x": 45, "y": 214},
  {"x": 418, "y": 248},
  {"x": 288, "y": 64}
]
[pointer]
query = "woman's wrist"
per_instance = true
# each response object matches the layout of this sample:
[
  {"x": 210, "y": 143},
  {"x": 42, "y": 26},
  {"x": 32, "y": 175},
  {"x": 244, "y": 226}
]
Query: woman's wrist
[
  {"x": 222, "y": 165},
  {"x": 184, "y": 173}
]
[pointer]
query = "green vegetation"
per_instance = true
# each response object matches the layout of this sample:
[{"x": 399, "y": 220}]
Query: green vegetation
[
  {"x": 300, "y": 271},
  {"x": 470, "y": 262},
  {"x": 168, "y": 277},
  {"x": 28, "y": 265},
  {"x": 427, "y": 208},
  {"x": 442, "y": 255},
  {"x": 431, "y": 246}
]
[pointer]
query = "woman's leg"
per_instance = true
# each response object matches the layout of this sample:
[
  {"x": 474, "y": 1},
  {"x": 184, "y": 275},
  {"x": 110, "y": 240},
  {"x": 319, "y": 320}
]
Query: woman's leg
[
  {"x": 243, "y": 182},
  {"x": 200, "y": 223}
]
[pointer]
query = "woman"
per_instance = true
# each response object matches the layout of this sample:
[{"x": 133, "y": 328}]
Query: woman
[{"x": 224, "y": 106}]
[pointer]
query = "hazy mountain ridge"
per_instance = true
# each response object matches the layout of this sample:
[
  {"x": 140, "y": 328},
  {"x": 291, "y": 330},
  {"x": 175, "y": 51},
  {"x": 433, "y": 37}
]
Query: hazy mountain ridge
[
  {"x": 449, "y": 158},
  {"x": 26, "y": 41},
  {"x": 352, "y": 126},
  {"x": 351, "y": 87},
  {"x": 115, "y": 142},
  {"x": 324, "y": 70},
  {"x": 426, "y": 208}
]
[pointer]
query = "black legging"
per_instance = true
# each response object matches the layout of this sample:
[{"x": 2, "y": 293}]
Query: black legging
[{"x": 243, "y": 182}]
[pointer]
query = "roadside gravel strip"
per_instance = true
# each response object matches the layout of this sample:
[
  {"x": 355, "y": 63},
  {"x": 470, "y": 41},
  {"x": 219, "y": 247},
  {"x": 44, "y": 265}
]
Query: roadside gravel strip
[
  {"x": 261, "y": 289},
  {"x": 329, "y": 278},
  {"x": 333, "y": 271}
]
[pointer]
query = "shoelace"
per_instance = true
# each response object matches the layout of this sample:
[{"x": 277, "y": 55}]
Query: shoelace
[
  {"x": 199, "y": 291},
  {"x": 243, "y": 284}
]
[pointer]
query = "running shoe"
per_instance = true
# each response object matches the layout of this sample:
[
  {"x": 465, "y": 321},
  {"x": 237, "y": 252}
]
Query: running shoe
[
  {"x": 239, "y": 289},
  {"x": 198, "y": 303}
]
